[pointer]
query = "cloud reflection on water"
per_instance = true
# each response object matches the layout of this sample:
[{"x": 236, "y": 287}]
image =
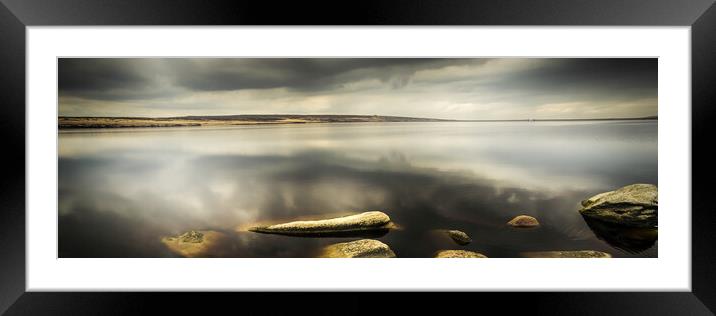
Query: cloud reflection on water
[{"x": 121, "y": 192}]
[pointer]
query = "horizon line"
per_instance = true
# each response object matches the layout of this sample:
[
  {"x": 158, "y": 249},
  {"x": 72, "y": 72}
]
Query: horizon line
[{"x": 370, "y": 115}]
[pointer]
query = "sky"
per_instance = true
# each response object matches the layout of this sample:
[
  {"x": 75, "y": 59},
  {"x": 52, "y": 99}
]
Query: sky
[{"x": 446, "y": 88}]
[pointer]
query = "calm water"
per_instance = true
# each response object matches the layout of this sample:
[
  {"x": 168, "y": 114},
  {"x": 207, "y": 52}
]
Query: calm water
[{"x": 120, "y": 191}]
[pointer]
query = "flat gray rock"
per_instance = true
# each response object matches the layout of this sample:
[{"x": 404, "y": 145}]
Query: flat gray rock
[
  {"x": 364, "y": 248},
  {"x": 633, "y": 205},
  {"x": 367, "y": 221}
]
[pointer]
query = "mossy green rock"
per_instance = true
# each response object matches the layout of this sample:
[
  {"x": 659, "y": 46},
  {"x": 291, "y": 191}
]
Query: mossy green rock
[{"x": 633, "y": 205}]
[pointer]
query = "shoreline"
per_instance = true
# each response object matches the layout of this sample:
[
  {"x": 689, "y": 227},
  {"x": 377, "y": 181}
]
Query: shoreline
[{"x": 69, "y": 123}]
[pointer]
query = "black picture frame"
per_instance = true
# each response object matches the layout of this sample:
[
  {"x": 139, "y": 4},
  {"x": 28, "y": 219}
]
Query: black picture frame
[{"x": 16, "y": 15}]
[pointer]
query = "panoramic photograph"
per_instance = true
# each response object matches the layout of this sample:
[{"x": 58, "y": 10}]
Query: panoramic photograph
[{"x": 357, "y": 158}]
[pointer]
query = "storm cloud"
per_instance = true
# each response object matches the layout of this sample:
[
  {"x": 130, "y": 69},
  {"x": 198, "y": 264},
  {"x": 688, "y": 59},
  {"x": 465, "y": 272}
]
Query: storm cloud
[{"x": 459, "y": 88}]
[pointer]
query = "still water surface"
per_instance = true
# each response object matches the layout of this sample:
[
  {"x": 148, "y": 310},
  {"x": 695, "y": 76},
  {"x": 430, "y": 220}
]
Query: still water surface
[{"x": 122, "y": 190}]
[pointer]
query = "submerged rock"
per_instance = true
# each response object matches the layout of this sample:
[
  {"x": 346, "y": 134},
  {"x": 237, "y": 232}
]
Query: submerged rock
[
  {"x": 459, "y": 237},
  {"x": 364, "y": 248},
  {"x": 523, "y": 221},
  {"x": 633, "y": 205},
  {"x": 196, "y": 244},
  {"x": 191, "y": 236},
  {"x": 458, "y": 254},
  {"x": 568, "y": 254},
  {"x": 363, "y": 222}
]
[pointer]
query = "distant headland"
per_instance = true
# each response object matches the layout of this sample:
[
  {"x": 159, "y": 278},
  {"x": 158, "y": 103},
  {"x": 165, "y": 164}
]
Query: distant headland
[{"x": 69, "y": 122}]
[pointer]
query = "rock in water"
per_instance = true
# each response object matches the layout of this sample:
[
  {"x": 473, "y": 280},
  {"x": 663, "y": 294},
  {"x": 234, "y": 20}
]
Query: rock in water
[
  {"x": 630, "y": 239},
  {"x": 364, "y": 248},
  {"x": 458, "y": 254},
  {"x": 633, "y": 205},
  {"x": 523, "y": 221},
  {"x": 459, "y": 237},
  {"x": 367, "y": 221},
  {"x": 568, "y": 254},
  {"x": 191, "y": 236},
  {"x": 196, "y": 244}
]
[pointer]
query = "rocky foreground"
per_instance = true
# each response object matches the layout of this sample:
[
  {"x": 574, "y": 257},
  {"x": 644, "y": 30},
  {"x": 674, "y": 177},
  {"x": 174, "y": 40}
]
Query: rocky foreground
[{"x": 633, "y": 206}]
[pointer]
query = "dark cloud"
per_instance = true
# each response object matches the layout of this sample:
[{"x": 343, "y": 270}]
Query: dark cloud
[
  {"x": 86, "y": 74},
  {"x": 215, "y": 74},
  {"x": 603, "y": 77},
  {"x": 298, "y": 73},
  {"x": 411, "y": 86},
  {"x": 112, "y": 78},
  {"x": 97, "y": 76}
]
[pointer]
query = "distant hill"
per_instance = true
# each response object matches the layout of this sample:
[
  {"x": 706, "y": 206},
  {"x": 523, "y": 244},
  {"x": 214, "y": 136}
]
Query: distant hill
[
  {"x": 65, "y": 122},
  {"x": 309, "y": 117}
]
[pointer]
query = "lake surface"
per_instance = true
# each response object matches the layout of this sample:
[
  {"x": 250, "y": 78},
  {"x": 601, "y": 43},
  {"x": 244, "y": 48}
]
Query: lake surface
[{"x": 122, "y": 190}]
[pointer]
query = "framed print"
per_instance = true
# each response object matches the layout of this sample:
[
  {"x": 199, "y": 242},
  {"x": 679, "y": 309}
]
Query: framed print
[{"x": 445, "y": 147}]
